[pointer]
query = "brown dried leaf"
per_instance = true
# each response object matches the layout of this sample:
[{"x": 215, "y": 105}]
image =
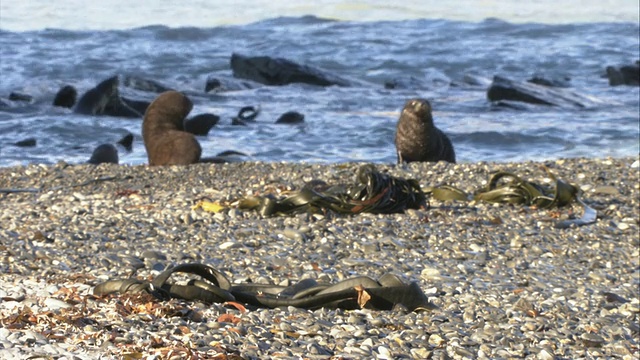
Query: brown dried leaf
[
  {"x": 591, "y": 329},
  {"x": 363, "y": 296},
  {"x": 358, "y": 208},
  {"x": 495, "y": 220},
  {"x": 228, "y": 318},
  {"x": 236, "y": 305},
  {"x": 126, "y": 192}
]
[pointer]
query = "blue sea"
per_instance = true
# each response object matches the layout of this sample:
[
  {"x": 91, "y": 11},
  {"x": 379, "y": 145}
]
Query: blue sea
[{"x": 436, "y": 46}]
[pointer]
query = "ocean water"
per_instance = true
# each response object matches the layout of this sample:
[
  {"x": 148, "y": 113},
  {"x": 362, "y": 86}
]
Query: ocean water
[{"x": 45, "y": 45}]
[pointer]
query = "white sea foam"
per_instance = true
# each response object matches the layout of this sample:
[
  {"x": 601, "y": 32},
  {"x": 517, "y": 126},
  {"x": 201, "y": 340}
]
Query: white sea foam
[{"x": 124, "y": 14}]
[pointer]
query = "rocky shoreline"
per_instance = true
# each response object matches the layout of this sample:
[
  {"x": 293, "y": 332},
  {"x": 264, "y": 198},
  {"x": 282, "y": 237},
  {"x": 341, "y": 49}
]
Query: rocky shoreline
[{"x": 506, "y": 282}]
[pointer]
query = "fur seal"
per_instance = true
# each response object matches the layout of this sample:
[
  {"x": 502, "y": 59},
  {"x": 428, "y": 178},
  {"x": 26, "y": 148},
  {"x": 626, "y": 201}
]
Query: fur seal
[
  {"x": 163, "y": 132},
  {"x": 104, "y": 99},
  {"x": 417, "y": 138},
  {"x": 105, "y": 153}
]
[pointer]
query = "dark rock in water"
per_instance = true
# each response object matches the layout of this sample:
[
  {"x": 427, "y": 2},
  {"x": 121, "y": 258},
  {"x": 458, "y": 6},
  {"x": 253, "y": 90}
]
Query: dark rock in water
[
  {"x": 121, "y": 109},
  {"x": 248, "y": 113},
  {"x": 142, "y": 84},
  {"x": 127, "y": 142},
  {"x": 237, "y": 122},
  {"x": 162, "y": 131},
  {"x": 226, "y": 156},
  {"x": 231, "y": 153},
  {"x": 506, "y": 89},
  {"x": 432, "y": 79},
  {"x": 624, "y": 75},
  {"x": 472, "y": 80},
  {"x": 412, "y": 83},
  {"x": 511, "y": 105},
  {"x": 137, "y": 105},
  {"x": 290, "y": 117},
  {"x": 16, "y": 96},
  {"x": 222, "y": 84},
  {"x": 201, "y": 124},
  {"x": 563, "y": 82},
  {"x": 245, "y": 115},
  {"x": 105, "y": 153},
  {"x": 104, "y": 99},
  {"x": 30, "y": 142},
  {"x": 418, "y": 139},
  {"x": 278, "y": 71},
  {"x": 66, "y": 97}
]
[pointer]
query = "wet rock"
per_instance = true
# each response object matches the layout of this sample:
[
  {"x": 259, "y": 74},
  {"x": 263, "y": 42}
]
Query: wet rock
[
  {"x": 476, "y": 80},
  {"x": 139, "y": 106},
  {"x": 503, "y": 89},
  {"x": 624, "y": 75},
  {"x": 66, "y": 97},
  {"x": 126, "y": 142},
  {"x": 29, "y": 142},
  {"x": 142, "y": 84},
  {"x": 279, "y": 71},
  {"x": 592, "y": 340},
  {"x": 104, "y": 153},
  {"x": 245, "y": 115},
  {"x": 200, "y": 124},
  {"x": 433, "y": 79},
  {"x": 222, "y": 84},
  {"x": 16, "y": 96},
  {"x": 561, "y": 82},
  {"x": 290, "y": 117}
]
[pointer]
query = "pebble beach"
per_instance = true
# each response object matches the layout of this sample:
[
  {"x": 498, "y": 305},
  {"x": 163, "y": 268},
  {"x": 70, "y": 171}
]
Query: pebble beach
[{"x": 504, "y": 281}]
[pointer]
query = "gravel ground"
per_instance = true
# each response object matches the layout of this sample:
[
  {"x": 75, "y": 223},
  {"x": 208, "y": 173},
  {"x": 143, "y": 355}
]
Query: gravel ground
[{"x": 506, "y": 282}]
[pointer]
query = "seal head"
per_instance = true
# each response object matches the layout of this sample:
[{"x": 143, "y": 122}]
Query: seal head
[
  {"x": 418, "y": 139},
  {"x": 163, "y": 132}
]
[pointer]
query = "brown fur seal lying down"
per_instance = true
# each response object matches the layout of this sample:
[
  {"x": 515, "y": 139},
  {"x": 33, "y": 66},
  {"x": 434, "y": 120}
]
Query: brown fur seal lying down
[
  {"x": 417, "y": 138},
  {"x": 163, "y": 131}
]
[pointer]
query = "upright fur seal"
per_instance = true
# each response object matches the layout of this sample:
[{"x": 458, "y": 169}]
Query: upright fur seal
[
  {"x": 163, "y": 131},
  {"x": 417, "y": 138},
  {"x": 104, "y": 99}
]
